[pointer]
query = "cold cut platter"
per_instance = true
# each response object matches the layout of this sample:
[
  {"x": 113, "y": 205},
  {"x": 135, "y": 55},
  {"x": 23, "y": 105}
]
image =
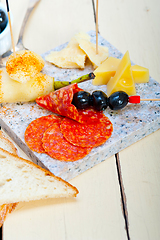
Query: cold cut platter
[{"x": 130, "y": 124}]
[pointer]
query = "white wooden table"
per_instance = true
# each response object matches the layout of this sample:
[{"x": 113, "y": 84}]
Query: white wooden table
[{"x": 119, "y": 199}]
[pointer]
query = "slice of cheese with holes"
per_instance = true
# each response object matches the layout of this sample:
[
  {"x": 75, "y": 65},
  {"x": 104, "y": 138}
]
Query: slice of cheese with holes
[
  {"x": 123, "y": 79},
  {"x": 109, "y": 67},
  {"x": 105, "y": 71}
]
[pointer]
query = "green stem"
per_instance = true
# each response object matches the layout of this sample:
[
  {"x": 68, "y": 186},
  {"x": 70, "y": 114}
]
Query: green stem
[{"x": 60, "y": 84}]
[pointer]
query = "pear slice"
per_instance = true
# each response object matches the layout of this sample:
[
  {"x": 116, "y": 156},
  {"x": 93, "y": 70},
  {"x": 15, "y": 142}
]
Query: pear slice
[{"x": 12, "y": 91}]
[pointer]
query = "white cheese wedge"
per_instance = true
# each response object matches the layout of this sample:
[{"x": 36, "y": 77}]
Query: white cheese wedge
[
  {"x": 90, "y": 50},
  {"x": 81, "y": 35},
  {"x": 70, "y": 57},
  {"x": 75, "y": 53}
]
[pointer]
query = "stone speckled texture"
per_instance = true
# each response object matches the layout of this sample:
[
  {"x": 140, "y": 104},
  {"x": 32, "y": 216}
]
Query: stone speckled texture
[{"x": 130, "y": 124}]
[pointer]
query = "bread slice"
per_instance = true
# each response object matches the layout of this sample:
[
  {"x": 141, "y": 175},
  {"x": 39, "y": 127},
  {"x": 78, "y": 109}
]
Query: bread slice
[
  {"x": 21, "y": 180},
  {"x": 6, "y": 144},
  {"x": 6, "y": 208}
]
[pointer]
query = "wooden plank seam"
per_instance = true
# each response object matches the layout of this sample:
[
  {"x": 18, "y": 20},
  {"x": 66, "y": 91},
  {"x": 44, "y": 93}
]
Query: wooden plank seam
[
  {"x": 123, "y": 195},
  {"x": 1, "y": 233},
  {"x": 122, "y": 192}
]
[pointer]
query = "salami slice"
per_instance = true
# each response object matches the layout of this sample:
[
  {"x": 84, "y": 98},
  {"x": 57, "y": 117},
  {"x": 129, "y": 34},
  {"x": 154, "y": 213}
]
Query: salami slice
[
  {"x": 34, "y": 131},
  {"x": 87, "y": 135},
  {"x": 59, "y": 148},
  {"x": 60, "y": 102}
]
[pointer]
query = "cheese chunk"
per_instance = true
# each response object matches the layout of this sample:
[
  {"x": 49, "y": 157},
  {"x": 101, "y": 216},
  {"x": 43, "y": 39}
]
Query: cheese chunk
[
  {"x": 90, "y": 50},
  {"x": 74, "y": 55},
  {"x": 140, "y": 74},
  {"x": 12, "y": 91},
  {"x": 81, "y": 35},
  {"x": 123, "y": 79},
  {"x": 105, "y": 71},
  {"x": 71, "y": 56}
]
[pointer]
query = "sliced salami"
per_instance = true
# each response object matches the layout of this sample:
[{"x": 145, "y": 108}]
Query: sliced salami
[
  {"x": 60, "y": 102},
  {"x": 87, "y": 135},
  {"x": 59, "y": 148},
  {"x": 34, "y": 131}
]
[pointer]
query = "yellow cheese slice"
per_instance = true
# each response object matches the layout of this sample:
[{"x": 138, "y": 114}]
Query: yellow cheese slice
[
  {"x": 105, "y": 71},
  {"x": 140, "y": 74},
  {"x": 123, "y": 79},
  {"x": 90, "y": 50},
  {"x": 13, "y": 91}
]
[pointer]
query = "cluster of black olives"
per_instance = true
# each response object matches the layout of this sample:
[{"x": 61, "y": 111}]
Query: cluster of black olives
[
  {"x": 100, "y": 101},
  {"x": 3, "y": 20}
]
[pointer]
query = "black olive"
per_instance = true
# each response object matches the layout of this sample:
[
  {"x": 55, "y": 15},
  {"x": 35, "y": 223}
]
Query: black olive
[
  {"x": 81, "y": 99},
  {"x": 99, "y": 100},
  {"x": 3, "y": 20},
  {"x": 118, "y": 100}
]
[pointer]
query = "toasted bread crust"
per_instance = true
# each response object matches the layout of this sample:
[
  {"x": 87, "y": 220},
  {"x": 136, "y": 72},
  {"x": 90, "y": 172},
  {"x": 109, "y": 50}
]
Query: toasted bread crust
[
  {"x": 9, "y": 145},
  {"x": 6, "y": 208}
]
